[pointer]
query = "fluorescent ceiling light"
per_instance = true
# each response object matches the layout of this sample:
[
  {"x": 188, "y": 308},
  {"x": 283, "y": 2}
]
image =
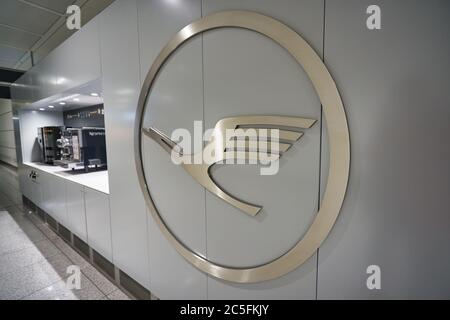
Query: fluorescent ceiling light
[
  {"x": 76, "y": 99},
  {"x": 62, "y": 103},
  {"x": 94, "y": 94},
  {"x": 70, "y": 97},
  {"x": 51, "y": 107},
  {"x": 42, "y": 109}
]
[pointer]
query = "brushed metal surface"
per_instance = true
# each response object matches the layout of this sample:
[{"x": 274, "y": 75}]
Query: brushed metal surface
[
  {"x": 338, "y": 138},
  {"x": 201, "y": 171}
]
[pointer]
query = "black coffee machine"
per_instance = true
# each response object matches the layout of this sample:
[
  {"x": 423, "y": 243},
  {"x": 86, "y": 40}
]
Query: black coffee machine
[
  {"x": 83, "y": 148},
  {"x": 48, "y": 141}
]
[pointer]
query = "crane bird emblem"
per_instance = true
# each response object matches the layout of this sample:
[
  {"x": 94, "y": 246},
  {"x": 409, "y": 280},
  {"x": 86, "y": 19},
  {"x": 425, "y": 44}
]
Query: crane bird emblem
[
  {"x": 290, "y": 130},
  {"x": 201, "y": 171}
]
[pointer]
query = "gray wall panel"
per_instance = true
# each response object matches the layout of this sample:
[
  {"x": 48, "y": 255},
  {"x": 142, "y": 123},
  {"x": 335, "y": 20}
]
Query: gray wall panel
[
  {"x": 6, "y": 121},
  {"x": 120, "y": 65},
  {"x": 98, "y": 222},
  {"x": 9, "y": 184},
  {"x": 76, "y": 213},
  {"x": 22, "y": 90},
  {"x": 21, "y": 94},
  {"x": 7, "y": 139},
  {"x": 5, "y": 106},
  {"x": 394, "y": 83},
  {"x": 8, "y": 155},
  {"x": 175, "y": 102},
  {"x": 247, "y": 73}
]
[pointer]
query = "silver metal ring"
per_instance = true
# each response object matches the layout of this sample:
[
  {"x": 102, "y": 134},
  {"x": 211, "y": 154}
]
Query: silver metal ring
[{"x": 338, "y": 137}]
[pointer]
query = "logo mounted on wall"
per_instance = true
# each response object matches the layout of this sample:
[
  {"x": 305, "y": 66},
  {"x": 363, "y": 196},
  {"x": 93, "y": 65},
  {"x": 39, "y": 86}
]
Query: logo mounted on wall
[
  {"x": 338, "y": 138},
  {"x": 262, "y": 146}
]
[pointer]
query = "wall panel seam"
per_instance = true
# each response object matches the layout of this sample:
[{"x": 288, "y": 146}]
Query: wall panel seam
[{"x": 320, "y": 147}]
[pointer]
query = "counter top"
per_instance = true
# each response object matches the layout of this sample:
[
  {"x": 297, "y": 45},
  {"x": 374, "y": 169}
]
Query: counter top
[{"x": 97, "y": 180}]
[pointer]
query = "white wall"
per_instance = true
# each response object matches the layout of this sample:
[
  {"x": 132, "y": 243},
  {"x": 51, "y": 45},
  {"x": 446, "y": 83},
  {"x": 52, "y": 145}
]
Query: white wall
[
  {"x": 120, "y": 68},
  {"x": 30, "y": 121}
]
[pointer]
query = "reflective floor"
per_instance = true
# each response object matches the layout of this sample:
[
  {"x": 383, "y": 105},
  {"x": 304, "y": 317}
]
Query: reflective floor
[{"x": 34, "y": 262}]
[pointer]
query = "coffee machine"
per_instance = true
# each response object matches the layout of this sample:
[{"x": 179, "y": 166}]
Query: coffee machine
[
  {"x": 83, "y": 148},
  {"x": 48, "y": 141}
]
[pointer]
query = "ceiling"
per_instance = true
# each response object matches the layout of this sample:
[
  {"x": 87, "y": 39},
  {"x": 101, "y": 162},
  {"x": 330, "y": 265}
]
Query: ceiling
[
  {"x": 37, "y": 26},
  {"x": 89, "y": 94}
]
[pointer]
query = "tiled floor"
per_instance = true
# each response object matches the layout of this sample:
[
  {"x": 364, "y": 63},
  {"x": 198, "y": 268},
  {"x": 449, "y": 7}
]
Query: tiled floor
[{"x": 34, "y": 262}]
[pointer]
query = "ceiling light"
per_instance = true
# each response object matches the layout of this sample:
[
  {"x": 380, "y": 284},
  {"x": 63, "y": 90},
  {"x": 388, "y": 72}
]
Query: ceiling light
[
  {"x": 76, "y": 99},
  {"x": 94, "y": 94},
  {"x": 51, "y": 107},
  {"x": 62, "y": 103},
  {"x": 69, "y": 97},
  {"x": 61, "y": 80},
  {"x": 42, "y": 109}
]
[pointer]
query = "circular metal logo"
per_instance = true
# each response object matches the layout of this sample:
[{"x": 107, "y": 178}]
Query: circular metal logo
[{"x": 338, "y": 137}]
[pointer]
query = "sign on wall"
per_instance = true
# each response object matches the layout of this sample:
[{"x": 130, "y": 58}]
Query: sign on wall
[
  {"x": 93, "y": 116},
  {"x": 256, "y": 139}
]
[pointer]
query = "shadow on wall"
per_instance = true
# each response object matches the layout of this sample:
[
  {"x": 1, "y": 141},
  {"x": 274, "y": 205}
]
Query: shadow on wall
[{"x": 36, "y": 151}]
